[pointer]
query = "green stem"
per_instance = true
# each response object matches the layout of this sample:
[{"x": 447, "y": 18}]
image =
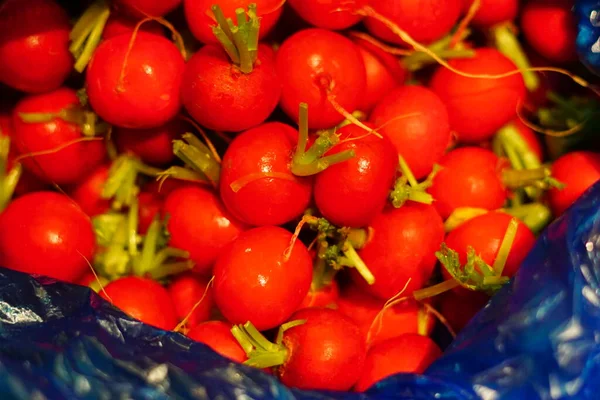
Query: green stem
[
  {"x": 405, "y": 169},
  {"x": 535, "y": 215},
  {"x": 461, "y": 215},
  {"x": 132, "y": 228},
  {"x": 418, "y": 60},
  {"x": 121, "y": 182},
  {"x": 505, "y": 246},
  {"x": 323, "y": 163},
  {"x": 302, "y": 132},
  {"x": 149, "y": 248},
  {"x": 509, "y": 45},
  {"x": 435, "y": 290},
  {"x": 356, "y": 262},
  {"x": 516, "y": 179},
  {"x": 87, "y": 33},
  {"x": 407, "y": 188},
  {"x": 261, "y": 353},
  {"x": 166, "y": 270},
  {"x": 198, "y": 157},
  {"x": 183, "y": 174},
  {"x": 8, "y": 178}
]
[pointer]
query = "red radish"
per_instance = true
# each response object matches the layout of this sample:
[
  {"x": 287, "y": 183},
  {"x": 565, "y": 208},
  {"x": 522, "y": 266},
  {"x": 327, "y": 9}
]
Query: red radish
[
  {"x": 46, "y": 233},
  {"x": 402, "y": 247},
  {"x": 200, "y": 19},
  {"x": 416, "y": 121},
  {"x": 352, "y": 193},
  {"x": 485, "y": 234},
  {"x": 150, "y": 205},
  {"x": 578, "y": 170},
  {"x": 164, "y": 188},
  {"x": 142, "y": 299},
  {"x": 460, "y": 309},
  {"x": 531, "y": 138},
  {"x": 62, "y": 165},
  {"x": 324, "y": 297},
  {"x": 478, "y": 107},
  {"x": 316, "y": 66},
  {"x": 549, "y": 26},
  {"x": 134, "y": 82},
  {"x": 34, "y": 45},
  {"x": 425, "y": 20},
  {"x": 378, "y": 324},
  {"x": 186, "y": 291},
  {"x": 153, "y": 146},
  {"x": 319, "y": 349},
  {"x": 469, "y": 178},
  {"x": 198, "y": 223},
  {"x": 221, "y": 97},
  {"x": 119, "y": 24},
  {"x": 492, "y": 12},
  {"x": 88, "y": 192},
  {"x": 256, "y": 183},
  {"x": 383, "y": 73},
  {"x": 146, "y": 8},
  {"x": 408, "y": 353},
  {"x": 260, "y": 278},
  {"x": 329, "y": 14},
  {"x": 217, "y": 335}
]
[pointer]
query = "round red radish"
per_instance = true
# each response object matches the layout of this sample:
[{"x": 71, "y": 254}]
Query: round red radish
[
  {"x": 67, "y": 161},
  {"x": 324, "y": 297},
  {"x": 256, "y": 184},
  {"x": 408, "y": 353},
  {"x": 198, "y": 223},
  {"x": 377, "y": 324},
  {"x": 217, "y": 335},
  {"x": 153, "y": 146},
  {"x": 424, "y": 20},
  {"x": 550, "y": 27},
  {"x": 353, "y": 192},
  {"x": 146, "y": 8},
  {"x": 46, "y": 233},
  {"x": 314, "y": 64},
  {"x": 88, "y": 192},
  {"x": 142, "y": 299},
  {"x": 492, "y": 12},
  {"x": 578, "y": 170},
  {"x": 327, "y": 352},
  {"x": 186, "y": 291},
  {"x": 221, "y": 97},
  {"x": 200, "y": 18},
  {"x": 484, "y": 234},
  {"x": 119, "y": 24},
  {"x": 416, "y": 121},
  {"x": 329, "y": 14},
  {"x": 383, "y": 73},
  {"x": 478, "y": 107},
  {"x": 402, "y": 247},
  {"x": 34, "y": 45},
  {"x": 469, "y": 178},
  {"x": 135, "y": 82},
  {"x": 259, "y": 279},
  {"x": 150, "y": 205},
  {"x": 459, "y": 309}
]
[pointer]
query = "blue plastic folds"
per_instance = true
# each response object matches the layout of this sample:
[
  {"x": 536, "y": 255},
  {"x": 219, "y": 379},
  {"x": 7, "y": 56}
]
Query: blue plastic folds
[
  {"x": 537, "y": 339},
  {"x": 587, "y": 13}
]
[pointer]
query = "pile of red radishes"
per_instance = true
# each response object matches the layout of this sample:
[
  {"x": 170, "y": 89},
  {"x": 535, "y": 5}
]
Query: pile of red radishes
[{"x": 307, "y": 187}]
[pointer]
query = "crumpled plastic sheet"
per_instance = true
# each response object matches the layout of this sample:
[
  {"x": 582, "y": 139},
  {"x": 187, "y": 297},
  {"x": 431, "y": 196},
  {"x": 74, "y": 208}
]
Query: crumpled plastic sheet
[
  {"x": 587, "y": 14},
  {"x": 538, "y": 338}
]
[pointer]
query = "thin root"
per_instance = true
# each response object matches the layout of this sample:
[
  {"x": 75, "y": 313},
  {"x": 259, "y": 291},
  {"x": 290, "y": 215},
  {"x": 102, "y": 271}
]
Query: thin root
[
  {"x": 181, "y": 326},
  {"x": 393, "y": 301},
  {"x": 464, "y": 23},
  {"x": 56, "y": 149},
  {"x": 95, "y": 276},
  {"x": 381, "y": 46}
]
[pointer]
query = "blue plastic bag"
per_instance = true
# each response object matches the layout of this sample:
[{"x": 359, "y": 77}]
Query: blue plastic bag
[
  {"x": 587, "y": 13},
  {"x": 538, "y": 338}
]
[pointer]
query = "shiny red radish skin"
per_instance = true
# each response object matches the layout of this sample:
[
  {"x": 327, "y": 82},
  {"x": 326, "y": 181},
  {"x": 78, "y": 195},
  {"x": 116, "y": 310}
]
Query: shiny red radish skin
[
  {"x": 146, "y": 8},
  {"x": 219, "y": 96},
  {"x": 143, "y": 92},
  {"x": 478, "y": 107},
  {"x": 383, "y": 73},
  {"x": 154, "y": 146},
  {"x": 424, "y": 20},
  {"x": 264, "y": 200},
  {"x": 200, "y": 18},
  {"x": 68, "y": 165},
  {"x": 327, "y": 352},
  {"x": 329, "y": 14},
  {"x": 34, "y": 45},
  {"x": 199, "y": 223},
  {"x": 312, "y": 62},
  {"x": 324, "y": 297},
  {"x": 485, "y": 233},
  {"x": 470, "y": 177},
  {"x": 254, "y": 282},
  {"x": 408, "y": 353},
  {"x": 46, "y": 233},
  {"x": 402, "y": 247},
  {"x": 459, "y": 309},
  {"x": 142, "y": 299},
  {"x": 150, "y": 205},
  {"x": 578, "y": 170},
  {"x": 119, "y": 24},
  {"x": 492, "y": 12},
  {"x": 88, "y": 192},
  {"x": 217, "y": 335},
  {"x": 421, "y": 139},
  {"x": 186, "y": 290},
  {"x": 352, "y": 193},
  {"x": 550, "y": 27},
  {"x": 405, "y": 317}
]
